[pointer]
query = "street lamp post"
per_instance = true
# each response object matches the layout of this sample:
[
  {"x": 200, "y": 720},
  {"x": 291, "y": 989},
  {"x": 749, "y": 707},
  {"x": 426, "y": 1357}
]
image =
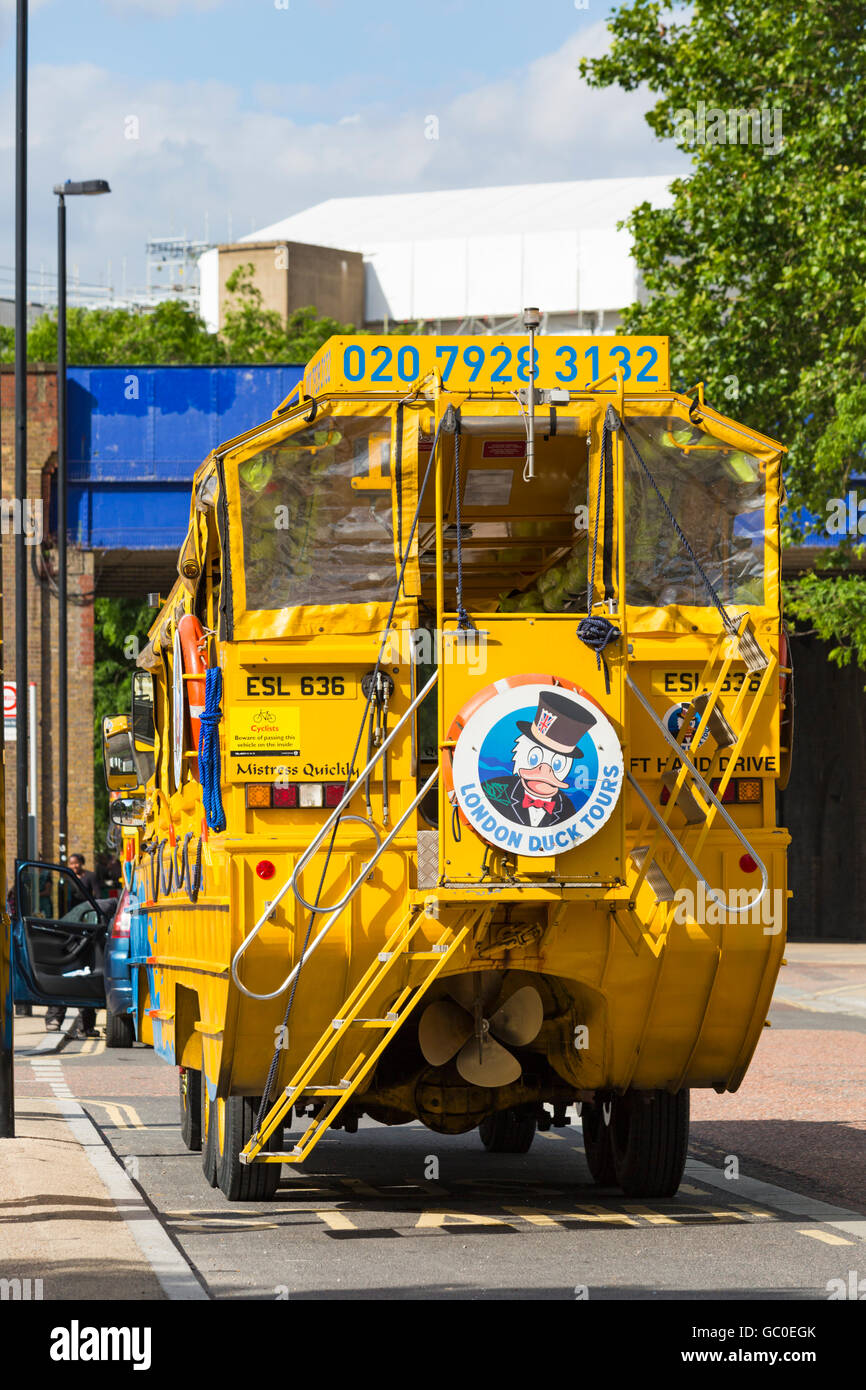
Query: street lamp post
[{"x": 64, "y": 190}]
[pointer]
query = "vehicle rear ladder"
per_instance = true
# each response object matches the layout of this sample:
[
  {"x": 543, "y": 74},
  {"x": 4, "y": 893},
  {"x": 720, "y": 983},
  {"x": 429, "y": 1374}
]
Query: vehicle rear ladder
[{"x": 378, "y": 1006}]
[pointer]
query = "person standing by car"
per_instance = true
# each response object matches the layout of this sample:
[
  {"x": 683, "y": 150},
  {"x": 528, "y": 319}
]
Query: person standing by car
[
  {"x": 85, "y": 1024},
  {"x": 88, "y": 879}
]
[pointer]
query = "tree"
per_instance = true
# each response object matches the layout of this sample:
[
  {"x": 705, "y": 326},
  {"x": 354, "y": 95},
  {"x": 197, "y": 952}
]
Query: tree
[
  {"x": 173, "y": 333},
  {"x": 756, "y": 271}
]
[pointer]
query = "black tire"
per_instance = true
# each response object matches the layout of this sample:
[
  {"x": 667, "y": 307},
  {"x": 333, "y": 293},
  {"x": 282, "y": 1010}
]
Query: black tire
[
  {"x": 507, "y": 1132},
  {"x": 208, "y": 1135},
  {"x": 189, "y": 1095},
  {"x": 239, "y": 1182},
  {"x": 119, "y": 1030},
  {"x": 650, "y": 1138},
  {"x": 597, "y": 1144}
]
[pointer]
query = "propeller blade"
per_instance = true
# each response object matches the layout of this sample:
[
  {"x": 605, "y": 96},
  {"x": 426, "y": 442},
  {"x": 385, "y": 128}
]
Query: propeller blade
[
  {"x": 519, "y": 1019},
  {"x": 496, "y": 1066},
  {"x": 467, "y": 988},
  {"x": 443, "y": 1030}
]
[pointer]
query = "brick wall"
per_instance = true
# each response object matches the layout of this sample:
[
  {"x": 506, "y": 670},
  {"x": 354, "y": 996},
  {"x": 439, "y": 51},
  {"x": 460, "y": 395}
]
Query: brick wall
[{"x": 42, "y": 630}]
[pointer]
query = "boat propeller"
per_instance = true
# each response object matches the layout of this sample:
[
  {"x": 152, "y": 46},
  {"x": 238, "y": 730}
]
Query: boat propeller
[{"x": 467, "y": 1027}]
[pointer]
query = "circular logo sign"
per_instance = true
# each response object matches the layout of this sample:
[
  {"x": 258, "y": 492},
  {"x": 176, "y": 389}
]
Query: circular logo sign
[
  {"x": 537, "y": 769},
  {"x": 674, "y": 723}
]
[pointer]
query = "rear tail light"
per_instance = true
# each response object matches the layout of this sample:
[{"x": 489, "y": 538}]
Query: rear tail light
[
  {"x": 286, "y": 795},
  {"x": 743, "y": 790},
  {"x": 264, "y": 796},
  {"x": 122, "y": 919}
]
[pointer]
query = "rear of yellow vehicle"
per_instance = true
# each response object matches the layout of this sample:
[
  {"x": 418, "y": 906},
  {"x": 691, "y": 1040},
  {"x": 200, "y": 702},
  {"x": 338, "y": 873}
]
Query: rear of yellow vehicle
[{"x": 468, "y": 720}]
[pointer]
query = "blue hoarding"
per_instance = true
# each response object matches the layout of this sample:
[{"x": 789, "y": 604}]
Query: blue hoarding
[{"x": 137, "y": 434}]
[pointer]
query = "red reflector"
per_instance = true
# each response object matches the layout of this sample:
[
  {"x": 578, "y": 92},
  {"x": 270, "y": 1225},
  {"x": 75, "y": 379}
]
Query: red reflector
[
  {"x": 265, "y": 869},
  {"x": 665, "y": 796},
  {"x": 747, "y": 864},
  {"x": 333, "y": 793},
  {"x": 286, "y": 796}
]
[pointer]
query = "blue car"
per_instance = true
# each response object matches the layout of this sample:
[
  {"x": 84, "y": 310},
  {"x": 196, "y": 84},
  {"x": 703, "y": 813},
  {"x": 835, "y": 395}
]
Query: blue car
[
  {"x": 119, "y": 997},
  {"x": 58, "y": 938}
]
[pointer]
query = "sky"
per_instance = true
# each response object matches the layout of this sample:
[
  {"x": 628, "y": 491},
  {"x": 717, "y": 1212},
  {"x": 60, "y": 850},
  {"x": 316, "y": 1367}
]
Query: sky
[{"x": 211, "y": 118}]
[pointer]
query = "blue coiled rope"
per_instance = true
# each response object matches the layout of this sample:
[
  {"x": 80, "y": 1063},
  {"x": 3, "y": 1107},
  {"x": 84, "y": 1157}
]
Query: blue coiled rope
[{"x": 209, "y": 769}]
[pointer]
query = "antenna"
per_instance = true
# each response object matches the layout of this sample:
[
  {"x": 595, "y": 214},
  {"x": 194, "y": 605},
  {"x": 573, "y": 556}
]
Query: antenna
[{"x": 531, "y": 322}]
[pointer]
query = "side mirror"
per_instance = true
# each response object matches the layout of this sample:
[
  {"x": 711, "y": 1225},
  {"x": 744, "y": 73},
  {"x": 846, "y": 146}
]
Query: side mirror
[
  {"x": 127, "y": 812},
  {"x": 143, "y": 725},
  {"x": 121, "y": 774}
]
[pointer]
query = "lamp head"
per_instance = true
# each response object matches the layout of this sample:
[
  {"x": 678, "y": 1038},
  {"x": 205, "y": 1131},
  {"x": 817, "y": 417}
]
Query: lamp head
[{"x": 88, "y": 187}]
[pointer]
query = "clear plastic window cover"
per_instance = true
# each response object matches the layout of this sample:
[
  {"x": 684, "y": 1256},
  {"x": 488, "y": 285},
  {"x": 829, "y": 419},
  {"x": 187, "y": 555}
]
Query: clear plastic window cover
[
  {"x": 717, "y": 494},
  {"x": 309, "y": 535}
]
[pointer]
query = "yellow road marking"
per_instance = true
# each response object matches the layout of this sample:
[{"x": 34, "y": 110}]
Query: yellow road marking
[
  {"x": 336, "y": 1220},
  {"x": 430, "y": 1219},
  {"x": 549, "y": 1134},
  {"x": 693, "y": 1191},
  {"x": 363, "y": 1189},
  {"x": 121, "y": 1115},
  {"x": 537, "y": 1218},
  {"x": 755, "y": 1211},
  {"x": 656, "y": 1218},
  {"x": 601, "y": 1214},
  {"x": 827, "y": 1237}
]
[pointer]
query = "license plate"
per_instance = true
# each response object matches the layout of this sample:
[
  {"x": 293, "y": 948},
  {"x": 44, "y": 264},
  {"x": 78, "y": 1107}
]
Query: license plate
[
  {"x": 679, "y": 685},
  {"x": 299, "y": 685}
]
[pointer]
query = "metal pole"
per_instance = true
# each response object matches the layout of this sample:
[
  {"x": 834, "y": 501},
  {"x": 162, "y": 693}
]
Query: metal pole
[
  {"x": 7, "y": 1039},
  {"x": 32, "y": 800},
  {"x": 62, "y": 493},
  {"x": 21, "y": 767}
]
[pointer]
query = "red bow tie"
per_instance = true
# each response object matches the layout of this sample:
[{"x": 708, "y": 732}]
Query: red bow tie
[{"x": 533, "y": 801}]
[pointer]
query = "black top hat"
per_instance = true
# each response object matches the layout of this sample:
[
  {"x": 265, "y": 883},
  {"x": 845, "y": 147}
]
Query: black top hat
[{"x": 559, "y": 724}]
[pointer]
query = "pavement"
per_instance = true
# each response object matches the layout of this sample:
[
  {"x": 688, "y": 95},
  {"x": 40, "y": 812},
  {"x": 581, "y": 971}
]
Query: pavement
[{"x": 100, "y": 1200}]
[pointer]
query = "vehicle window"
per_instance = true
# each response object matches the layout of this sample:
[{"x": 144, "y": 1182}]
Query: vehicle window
[
  {"x": 53, "y": 895},
  {"x": 716, "y": 492},
  {"x": 309, "y": 535}
]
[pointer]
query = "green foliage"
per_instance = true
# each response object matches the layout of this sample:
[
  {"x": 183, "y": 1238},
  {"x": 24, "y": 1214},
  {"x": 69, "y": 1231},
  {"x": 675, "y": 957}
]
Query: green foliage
[
  {"x": 835, "y": 610},
  {"x": 115, "y": 622},
  {"x": 173, "y": 333},
  {"x": 758, "y": 269}
]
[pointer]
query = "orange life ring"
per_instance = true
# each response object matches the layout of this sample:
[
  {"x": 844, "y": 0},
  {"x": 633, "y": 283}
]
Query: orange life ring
[
  {"x": 464, "y": 714},
  {"x": 192, "y": 638}
]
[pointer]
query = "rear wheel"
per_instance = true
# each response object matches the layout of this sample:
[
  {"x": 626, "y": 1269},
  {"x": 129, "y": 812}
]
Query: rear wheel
[
  {"x": 650, "y": 1136},
  {"x": 189, "y": 1095},
  {"x": 234, "y": 1125},
  {"x": 119, "y": 1030},
  {"x": 597, "y": 1142},
  {"x": 507, "y": 1132}
]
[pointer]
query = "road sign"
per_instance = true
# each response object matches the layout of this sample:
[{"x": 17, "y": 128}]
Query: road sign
[{"x": 10, "y": 710}]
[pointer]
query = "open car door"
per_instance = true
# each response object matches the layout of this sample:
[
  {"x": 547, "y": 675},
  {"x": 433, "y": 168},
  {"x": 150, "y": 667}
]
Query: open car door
[{"x": 58, "y": 935}]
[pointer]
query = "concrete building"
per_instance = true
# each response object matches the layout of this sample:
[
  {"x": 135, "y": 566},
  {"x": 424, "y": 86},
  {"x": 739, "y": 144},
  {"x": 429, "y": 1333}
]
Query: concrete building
[
  {"x": 464, "y": 260},
  {"x": 292, "y": 275}
]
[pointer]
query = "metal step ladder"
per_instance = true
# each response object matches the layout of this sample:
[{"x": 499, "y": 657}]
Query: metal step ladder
[
  {"x": 688, "y": 789},
  {"x": 398, "y": 970}
]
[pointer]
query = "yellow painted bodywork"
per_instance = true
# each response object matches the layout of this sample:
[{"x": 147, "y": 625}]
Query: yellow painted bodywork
[{"x": 664, "y": 1000}]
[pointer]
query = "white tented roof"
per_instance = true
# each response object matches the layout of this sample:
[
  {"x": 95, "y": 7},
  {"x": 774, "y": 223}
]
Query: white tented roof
[{"x": 482, "y": 251}]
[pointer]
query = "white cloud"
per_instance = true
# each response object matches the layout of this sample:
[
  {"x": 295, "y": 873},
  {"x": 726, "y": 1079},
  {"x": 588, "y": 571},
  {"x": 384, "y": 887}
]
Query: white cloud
[{"x": 202, "y": 151}]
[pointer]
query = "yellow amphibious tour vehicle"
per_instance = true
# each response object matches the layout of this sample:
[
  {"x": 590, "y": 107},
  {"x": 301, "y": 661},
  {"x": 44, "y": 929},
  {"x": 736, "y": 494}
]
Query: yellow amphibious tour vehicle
[{"x": 461, "y": 730}]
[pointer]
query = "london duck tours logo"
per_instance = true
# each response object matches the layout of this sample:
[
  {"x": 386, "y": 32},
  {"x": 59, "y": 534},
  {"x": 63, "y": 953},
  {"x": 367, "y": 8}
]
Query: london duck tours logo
[{"x": 538, "y": 769}]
